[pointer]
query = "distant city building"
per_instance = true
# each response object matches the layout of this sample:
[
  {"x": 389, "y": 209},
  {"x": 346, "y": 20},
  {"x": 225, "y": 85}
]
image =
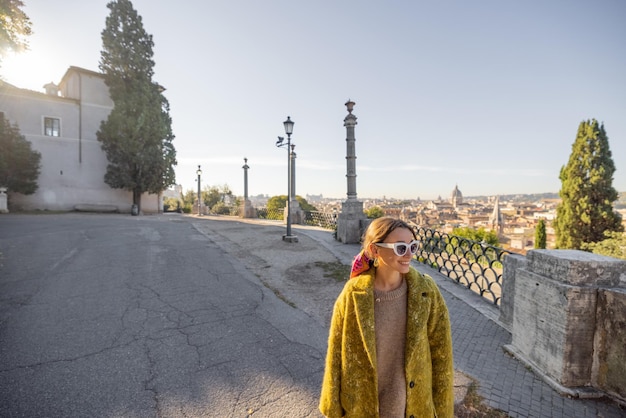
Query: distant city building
[
  {"x": 456, "y": 198},
  {"x": 496, "y": 220},
  {"x": 314, "y": 198}
]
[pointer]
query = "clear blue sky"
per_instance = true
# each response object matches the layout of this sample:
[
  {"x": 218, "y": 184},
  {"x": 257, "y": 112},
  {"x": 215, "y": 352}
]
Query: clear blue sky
[{"x": 486, "y": 95}]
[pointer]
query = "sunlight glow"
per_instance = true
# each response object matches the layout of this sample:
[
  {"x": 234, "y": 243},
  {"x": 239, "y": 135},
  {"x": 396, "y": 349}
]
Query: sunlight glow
[{"x": 29, "y": 70}]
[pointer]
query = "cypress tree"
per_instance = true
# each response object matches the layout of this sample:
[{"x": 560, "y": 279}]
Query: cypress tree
[
  {"x": 587, "y": 194},
  {"x": 137, "y": 135},
  {"x": 540, "y": 235}
]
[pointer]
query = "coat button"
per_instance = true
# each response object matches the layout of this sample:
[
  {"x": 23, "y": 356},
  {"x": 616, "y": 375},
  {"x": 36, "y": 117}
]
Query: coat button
[
  {"x": 411, "y": 416},
  {"x": 411, "y": 385}
]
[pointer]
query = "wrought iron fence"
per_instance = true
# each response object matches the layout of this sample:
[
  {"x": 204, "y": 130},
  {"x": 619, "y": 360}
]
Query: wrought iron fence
[
  {"x": 321, "y": 219},
  {"x": 475, "y": 265},
  {"x": 271, "y": 214},
  {"x": 313, "y": 218}
]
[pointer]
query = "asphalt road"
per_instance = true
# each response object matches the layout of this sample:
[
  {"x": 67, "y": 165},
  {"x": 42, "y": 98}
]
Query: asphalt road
[{"x": 121, "y": 316}]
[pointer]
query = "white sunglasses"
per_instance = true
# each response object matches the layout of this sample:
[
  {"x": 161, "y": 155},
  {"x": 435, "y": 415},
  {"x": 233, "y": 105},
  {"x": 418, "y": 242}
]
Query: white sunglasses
[{"x": 400, "y": 248}]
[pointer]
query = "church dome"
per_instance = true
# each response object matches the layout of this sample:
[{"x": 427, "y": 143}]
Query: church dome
[{"x": 456, "y": 197}]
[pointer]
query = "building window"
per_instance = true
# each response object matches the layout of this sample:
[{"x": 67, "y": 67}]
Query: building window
[{"x": 51, "y": 127}]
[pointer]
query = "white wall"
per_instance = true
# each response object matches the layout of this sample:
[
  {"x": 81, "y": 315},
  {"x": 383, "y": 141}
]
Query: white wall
[{"x": 72, "y": 165}]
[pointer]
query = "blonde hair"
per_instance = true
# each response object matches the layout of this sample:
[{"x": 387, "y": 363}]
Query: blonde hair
[{"x": 379, "y": 229}]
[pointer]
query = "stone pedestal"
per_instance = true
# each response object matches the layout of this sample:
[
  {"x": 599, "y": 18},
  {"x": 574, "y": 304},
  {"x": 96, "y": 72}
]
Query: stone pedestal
[
  {"x": 247, "y": 210},
  {"x": 555, "y": 308},
  {"x": 297, "y": 214},
  {"x": 4, "y": 207},
  {"x": 351, "y": 222}
]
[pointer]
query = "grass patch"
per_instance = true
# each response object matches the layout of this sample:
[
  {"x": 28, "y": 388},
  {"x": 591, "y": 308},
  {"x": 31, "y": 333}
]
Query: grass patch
[
  {"x": 336, "y": 270},
  {"x": 473, "y": 406}
]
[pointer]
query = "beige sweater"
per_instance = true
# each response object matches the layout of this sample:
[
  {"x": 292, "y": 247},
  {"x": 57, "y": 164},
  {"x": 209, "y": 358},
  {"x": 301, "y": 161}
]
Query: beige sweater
[{"x": 390, "y": 328}]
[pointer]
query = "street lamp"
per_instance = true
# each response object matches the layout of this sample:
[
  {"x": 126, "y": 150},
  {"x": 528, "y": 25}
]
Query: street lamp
[
  {"x": 288, "y": 130},
  {"x": 199, "y": 173}
]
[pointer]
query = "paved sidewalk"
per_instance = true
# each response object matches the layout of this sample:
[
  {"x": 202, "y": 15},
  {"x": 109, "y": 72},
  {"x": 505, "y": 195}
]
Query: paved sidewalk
[{"x": 478, "y": 337}]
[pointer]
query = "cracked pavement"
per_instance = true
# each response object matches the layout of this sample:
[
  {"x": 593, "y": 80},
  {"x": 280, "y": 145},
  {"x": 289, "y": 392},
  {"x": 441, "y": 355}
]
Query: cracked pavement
[{"x": 149, "y": 316}]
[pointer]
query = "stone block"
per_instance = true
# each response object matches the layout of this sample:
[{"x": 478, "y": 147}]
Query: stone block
[
  {"x": 554, "y": 325},
  {"x": 511, "y": 263},
  {"x": 609, "y": 362},
  {"x": 578, "y": 268}
]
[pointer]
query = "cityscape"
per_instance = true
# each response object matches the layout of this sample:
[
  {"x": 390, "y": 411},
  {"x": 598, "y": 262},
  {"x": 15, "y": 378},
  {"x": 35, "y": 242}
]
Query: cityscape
[{"x": 514, "y": 217}]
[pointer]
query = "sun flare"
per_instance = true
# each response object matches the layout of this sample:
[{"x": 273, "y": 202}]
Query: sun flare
[{"x": 29, "y": 70}]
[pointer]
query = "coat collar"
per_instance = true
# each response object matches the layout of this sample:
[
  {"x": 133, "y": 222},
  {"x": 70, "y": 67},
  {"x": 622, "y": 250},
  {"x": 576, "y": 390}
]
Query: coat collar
[
  {"x": 363, "y": 294},
  {"x": 419, "y": 300}
]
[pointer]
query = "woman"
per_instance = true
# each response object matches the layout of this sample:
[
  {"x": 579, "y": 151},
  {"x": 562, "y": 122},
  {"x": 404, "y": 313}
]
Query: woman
[{"x": 390, "y": 346}]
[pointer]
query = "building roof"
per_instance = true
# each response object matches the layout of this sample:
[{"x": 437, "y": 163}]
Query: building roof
[
  {"x": 80, "y": 70},
  {"x": 29, "y": 93}
]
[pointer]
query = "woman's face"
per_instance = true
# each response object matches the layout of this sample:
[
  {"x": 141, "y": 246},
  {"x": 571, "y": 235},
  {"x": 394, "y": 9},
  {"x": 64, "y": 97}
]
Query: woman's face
[{"x": 387, "y": 259}]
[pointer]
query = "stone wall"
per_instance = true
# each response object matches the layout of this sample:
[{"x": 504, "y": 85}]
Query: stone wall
[
  {"x": 609, "y": 363},
  {"x": 567, "y": 313}
]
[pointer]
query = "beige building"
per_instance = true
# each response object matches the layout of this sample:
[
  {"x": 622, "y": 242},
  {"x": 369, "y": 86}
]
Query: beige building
[{"x": 61, "y": 123}]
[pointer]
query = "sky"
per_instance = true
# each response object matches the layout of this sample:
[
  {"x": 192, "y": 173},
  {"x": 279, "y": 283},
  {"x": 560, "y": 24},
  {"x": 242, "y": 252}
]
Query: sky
[{"x": 485, "y": 95}]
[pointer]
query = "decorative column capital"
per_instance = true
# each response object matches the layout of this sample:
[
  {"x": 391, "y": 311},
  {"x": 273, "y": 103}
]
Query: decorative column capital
[{"x": 350, "y": 121}]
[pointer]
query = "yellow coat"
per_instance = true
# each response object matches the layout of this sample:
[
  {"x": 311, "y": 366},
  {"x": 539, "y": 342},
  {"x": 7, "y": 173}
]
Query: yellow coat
[{"x": 349, "y": 388}]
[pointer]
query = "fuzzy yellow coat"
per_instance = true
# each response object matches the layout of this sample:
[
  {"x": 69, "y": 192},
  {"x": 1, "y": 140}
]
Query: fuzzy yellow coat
[{"x": 350, "y": 387}]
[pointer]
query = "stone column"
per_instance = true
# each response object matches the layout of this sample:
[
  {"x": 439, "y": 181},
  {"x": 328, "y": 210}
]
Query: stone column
[
  {"x": 297, "y": 214},
  {"x": 245, "y": 167},
  {"x": 292, "y": 156},
  {"x": 247, "y": 211},
  {"x": 4, "y": 207},
  {"x": 351, "y": 221},
  {"x": 350, "y": 122}
]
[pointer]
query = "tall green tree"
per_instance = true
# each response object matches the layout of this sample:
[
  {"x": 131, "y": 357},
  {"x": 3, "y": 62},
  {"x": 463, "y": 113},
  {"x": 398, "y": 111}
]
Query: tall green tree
[
  {"x": 19, "y": 163},
  {"x": 137, "y": 136},
  {"x": 587, "y": 193},
  {"x": 540, "y": 234},
  {"x": 15, "y": 27}
]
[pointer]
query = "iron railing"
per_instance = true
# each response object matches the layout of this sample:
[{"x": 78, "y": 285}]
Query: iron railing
[
  {"x": 313, "y": 218},
  {"x": 271, "y": 214},
  {"x": 321, "y": 219},
  {"x": 475, "y": 265}
]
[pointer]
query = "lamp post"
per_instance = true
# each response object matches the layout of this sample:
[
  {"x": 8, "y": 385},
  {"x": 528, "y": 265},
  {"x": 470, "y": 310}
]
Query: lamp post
[
  {"x": 288, "y": 130},
  {"x": 199, "y": 173}
]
